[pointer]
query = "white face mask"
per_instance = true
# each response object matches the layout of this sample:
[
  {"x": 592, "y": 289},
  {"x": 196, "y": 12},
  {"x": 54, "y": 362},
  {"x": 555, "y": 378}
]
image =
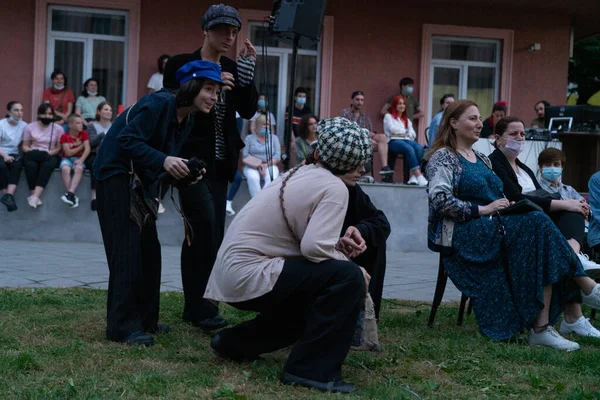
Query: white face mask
[
  {"x": 58, "y": 87},
  {"x": 513, "y": 148},
  {"x": 92, "y": 93}
]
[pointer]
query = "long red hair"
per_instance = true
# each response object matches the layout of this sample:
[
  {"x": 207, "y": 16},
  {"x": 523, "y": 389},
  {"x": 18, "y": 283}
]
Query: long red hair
[{"x": 394, "y": 110}]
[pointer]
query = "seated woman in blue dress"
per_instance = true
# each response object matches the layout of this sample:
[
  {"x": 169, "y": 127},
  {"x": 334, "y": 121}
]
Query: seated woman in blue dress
[{"x": 480, "y": 249}]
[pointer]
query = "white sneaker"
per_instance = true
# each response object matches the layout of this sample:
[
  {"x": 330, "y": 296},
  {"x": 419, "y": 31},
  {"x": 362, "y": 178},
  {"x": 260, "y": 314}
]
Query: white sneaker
[
  {"x": 33, "y": 201},
  {"x": 161, "y": 209},
  {"x": 586, "y": 262},
  {"x": 229, "y": 208},
  {"x": 421, "y": 180},
  {"x": 76, "y": 203},
  {"x": 593, "y": 299},
  {"x": 581, "y": 327},
  {"x": 413, "y": 181},
  {"x": 550, "y": 338}
]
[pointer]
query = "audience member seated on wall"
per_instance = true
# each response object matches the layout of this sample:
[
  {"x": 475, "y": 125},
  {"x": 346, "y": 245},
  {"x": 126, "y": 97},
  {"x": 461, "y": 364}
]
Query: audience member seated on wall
[
  {"x": 520, "y": 182},
  {"x": 59, "y": 96},
  {"x": 594, "y": 200},
  {"x": 88, "y": 102},
  {"x": 540, "y": 111},
  {"x": 41, "y": 145},
  {"x": 11, "y": 162},
  {"x": 445, "y": 101},
  {"x": 464, "y": 226},
  {"x": 378, "y": 140},
  {"x": 156, "y": 80},
  {"x": 97, "y": 130},
  {"x": 75, "y": 149},
  {"x": 399, "y": 130},
  {"x": 413, "y": 108},
  {"x": 498, "y": 112},
  {"x": 307, "y": 136},
  {"x": 262, "y": 110},
  {"x": 279, "y": 258},
  {"x": 260, "y": 156}
]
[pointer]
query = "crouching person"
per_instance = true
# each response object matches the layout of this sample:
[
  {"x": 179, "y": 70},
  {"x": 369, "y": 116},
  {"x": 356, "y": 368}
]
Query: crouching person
[{"x": 288, "y": 269}]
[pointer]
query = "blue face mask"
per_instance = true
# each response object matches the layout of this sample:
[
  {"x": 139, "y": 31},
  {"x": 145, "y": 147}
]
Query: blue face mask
[
  {"x": 409, "y": 90},
  {"x": 301, "y": 100},
  {"x": 16, "y": 121},
  {"x": 551, "y": 173},
  {"x": 262, "y": 103},
  {"x": 264, "y": 131}
]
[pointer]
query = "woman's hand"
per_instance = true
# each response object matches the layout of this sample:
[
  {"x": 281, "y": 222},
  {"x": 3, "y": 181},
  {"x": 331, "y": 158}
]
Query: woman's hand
[
  {"x": 576, "y": 206},
  {"x": 8, "y": 159},
  {"x": 176, "y": 167},
  {"x": 494, "y": 206},
  {"x": 352, "y": 243},
  {"x": 263, "y": 169},
  {"x": 367, "y": 278}
]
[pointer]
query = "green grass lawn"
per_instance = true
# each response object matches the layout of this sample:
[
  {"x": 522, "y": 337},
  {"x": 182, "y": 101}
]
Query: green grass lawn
[{"x": 52, "y": 346}]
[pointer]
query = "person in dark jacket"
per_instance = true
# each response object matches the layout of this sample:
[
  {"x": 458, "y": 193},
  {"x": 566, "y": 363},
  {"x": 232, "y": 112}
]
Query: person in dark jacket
[
  {"x": 214, "y": 139},
  {"x": 498, "y": 112},
  {"x": 365, "y": 223},
  {"x": 145, "y": 138}
]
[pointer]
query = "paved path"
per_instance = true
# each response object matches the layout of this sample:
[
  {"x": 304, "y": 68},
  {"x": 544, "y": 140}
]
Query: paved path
[{"x": 410, "y": 276}]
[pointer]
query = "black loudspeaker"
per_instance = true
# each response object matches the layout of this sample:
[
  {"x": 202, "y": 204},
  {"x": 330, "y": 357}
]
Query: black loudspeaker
[{"x": 303, "y": 18}]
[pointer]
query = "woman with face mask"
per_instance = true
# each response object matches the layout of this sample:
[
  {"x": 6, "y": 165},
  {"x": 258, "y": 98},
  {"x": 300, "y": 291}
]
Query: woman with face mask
[
  {"x": 59, "y": 96},
  {"x": 11, "y": 162},
  {"x": 520, "y": 183},
  {"x": 41, "y": 146},
  {"x": 262, "y": 110},
  {"x": 260, "y": 156},
  {"x": 88, "y": 102}
]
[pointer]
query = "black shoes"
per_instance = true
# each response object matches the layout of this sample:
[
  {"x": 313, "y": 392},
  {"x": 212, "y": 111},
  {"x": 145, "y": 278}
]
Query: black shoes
[
  {"x": 139, "y": 338},
  {"x": 333, "y": 386},
  {"x": 208, "y": 324},
  {"x": 160, "y": 329},
  {"x": 94, "y": 205},
  {"x": 386, "y": 171},
  {"x": 9, "y": 201},
  {"x": 216, "y": 347}
]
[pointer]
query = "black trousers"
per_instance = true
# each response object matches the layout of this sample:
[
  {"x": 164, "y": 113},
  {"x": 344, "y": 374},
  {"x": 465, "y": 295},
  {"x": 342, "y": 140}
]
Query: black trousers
[
  {"x": 134, "y": 262},
  {"x": 89, "y": 164},
  {"x": 38, "y": 168},
  {"x": 10, "y": 172},
  {"x": 312, "y": 306},
  {"x": 571, "y": 225},
  {"x": 204, "y": 207}
]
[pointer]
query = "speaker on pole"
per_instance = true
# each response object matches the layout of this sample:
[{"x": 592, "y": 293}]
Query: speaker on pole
[{"x": 303, "y": 18}]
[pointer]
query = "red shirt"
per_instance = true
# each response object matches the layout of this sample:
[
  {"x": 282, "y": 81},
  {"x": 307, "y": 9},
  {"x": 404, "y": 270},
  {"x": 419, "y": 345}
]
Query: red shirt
[
  {"x": 75, "y": 141},
  {"x": 55, "y": 96}
]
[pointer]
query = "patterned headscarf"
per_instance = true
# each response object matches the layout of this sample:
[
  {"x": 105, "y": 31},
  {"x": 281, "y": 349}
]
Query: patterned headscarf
[{"x": 342, "y": 144}]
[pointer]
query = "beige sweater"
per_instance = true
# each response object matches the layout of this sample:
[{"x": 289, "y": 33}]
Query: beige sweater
[{"x": 258, "y": 240}]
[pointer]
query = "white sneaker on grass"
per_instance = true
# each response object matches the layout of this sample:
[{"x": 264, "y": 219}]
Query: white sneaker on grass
[
  {"x": 593, "y": 299},
  {"x": 550, "y": 338},
  {"x": 581, "y": 327}
]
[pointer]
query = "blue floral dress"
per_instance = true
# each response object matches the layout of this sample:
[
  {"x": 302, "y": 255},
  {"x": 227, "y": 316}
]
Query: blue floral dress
[{"x": 537, "y": 255}]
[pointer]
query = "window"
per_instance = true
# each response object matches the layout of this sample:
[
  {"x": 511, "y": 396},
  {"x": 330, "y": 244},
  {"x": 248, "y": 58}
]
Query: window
[
  {"x": 86, "y": 43},
  {"x": 468, "y": 68},
  {"x": 273, "y": 72}
]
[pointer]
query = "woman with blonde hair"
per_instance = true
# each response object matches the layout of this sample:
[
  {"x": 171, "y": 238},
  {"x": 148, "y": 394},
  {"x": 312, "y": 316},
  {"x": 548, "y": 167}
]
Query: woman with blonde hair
[{"x": 260, "y": 156}]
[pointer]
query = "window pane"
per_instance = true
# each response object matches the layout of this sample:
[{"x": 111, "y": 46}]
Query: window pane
[
  {"x": 481, "y": 86},
  {"x": 88, "y": 22},
  {"x": 107, "y": 67},
  {"x": 306, "y": 77},
  {"x": 68, "y": 57},
  {"x": 449, "y": 49},
  {"x": 258, "y": 33},
  {"x": 445, "y": 81}
]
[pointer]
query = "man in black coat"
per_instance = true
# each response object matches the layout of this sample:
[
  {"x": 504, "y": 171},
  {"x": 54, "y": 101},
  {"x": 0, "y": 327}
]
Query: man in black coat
[{"x": 215, "y": 140}]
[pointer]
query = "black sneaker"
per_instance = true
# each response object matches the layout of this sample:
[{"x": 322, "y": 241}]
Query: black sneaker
[
  {"x": 387, "y": 179},
  {"x": 386, "y": 171},
  {"x": 68, "y": 198},
  {"x": 94, "y": 205},
  {"x": 9, "y": 201}
]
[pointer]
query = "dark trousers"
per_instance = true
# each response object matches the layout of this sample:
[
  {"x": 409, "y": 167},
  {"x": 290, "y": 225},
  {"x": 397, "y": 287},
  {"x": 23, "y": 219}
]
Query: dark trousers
[
  {"x": 10, "y": 172},
  {"x": 312, "y": 306},
  {"x": 204, "y": 207},
  {"x": 134, "y": 262},
  {"x": 374, "y": 262},
  {"x": 89, "y": 164},
  {"x": 570, "y": 224},
  {"x": 38, "y": 168}
]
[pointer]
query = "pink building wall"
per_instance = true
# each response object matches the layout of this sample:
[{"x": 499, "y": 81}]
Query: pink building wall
[{"x": 368, "y": 54}]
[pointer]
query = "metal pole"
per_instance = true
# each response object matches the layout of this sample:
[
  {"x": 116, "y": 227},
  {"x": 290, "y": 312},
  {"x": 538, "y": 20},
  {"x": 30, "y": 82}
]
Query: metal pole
[{"x": 290, "y": 111}]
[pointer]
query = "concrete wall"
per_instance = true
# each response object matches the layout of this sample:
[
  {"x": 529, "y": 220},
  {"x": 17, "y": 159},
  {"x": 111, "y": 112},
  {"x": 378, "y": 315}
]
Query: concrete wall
[{"x": 55, "y": 221}]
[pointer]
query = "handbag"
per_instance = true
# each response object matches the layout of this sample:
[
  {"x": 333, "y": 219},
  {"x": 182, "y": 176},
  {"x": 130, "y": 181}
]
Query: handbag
[
  {"x": 520, "y": 207},
  {"x": 543, "y": 193},
  {"x": 252, "y": 162},
  {"x": 143, "y": 211}
]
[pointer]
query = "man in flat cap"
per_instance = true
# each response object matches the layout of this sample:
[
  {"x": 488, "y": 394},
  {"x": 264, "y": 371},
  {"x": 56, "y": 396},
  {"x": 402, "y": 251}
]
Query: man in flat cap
[{"x": 216, "y": 140}]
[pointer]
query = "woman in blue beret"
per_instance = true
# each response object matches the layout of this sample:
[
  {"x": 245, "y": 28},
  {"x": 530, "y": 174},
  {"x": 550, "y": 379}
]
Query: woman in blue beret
[{"x": 144, "y": 138}]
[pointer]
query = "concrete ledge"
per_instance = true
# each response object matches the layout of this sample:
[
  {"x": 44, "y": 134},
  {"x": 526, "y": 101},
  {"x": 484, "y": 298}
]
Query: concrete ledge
[{"x": 405, "y": 207}]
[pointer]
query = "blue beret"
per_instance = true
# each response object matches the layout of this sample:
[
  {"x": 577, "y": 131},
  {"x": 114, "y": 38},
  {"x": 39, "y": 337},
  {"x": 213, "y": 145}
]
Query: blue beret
[{"x": 199, "y": 69}]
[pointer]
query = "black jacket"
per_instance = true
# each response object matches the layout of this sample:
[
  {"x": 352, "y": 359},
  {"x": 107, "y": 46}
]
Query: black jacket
[
  {"x": 201, "y": 141},
  {"x": 512, "y": 189}
]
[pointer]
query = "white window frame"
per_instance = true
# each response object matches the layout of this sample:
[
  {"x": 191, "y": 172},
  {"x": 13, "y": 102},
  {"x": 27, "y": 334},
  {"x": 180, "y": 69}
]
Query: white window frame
[
  {"x": 88, "y": 40},
  {"x": 464, "y": 67}
]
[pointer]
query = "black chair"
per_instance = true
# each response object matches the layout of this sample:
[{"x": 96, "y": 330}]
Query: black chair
[{"x": 440, "y": 288}]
